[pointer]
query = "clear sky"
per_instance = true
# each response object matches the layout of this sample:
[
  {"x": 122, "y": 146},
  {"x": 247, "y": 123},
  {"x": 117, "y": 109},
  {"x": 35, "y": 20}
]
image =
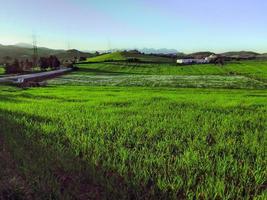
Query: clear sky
[{"x": 185, "y": 25}]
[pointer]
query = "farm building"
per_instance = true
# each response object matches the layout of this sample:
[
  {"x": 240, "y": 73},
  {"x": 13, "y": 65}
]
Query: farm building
[{"x": 197, "y": 61}]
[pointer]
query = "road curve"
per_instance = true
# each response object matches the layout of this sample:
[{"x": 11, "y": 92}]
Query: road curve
[{"x": 34, "y": 76}]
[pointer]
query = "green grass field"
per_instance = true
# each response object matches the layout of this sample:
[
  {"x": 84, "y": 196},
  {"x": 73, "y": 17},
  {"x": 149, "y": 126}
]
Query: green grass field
[{"x": 121, "y": 131}]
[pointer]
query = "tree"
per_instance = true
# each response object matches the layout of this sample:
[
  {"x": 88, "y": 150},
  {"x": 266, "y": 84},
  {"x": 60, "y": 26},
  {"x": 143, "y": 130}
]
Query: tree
[
  {"x": 55, "y": 63},
  {"x": 51, "y": 61},
  {"x": 44, "y": 63},
  {"x": 13, "y": 68},
  {"x": 219, "y": 61},
  {"x": 28, "y": 65},
  {"x": 6, "y": 59}
]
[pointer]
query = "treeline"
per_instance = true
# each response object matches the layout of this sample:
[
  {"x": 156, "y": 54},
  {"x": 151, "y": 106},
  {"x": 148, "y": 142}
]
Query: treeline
[
  {"x": 18, "y": 66},
  {"x": 49, "y": 62},
  {"x": 44, "y": 63}
]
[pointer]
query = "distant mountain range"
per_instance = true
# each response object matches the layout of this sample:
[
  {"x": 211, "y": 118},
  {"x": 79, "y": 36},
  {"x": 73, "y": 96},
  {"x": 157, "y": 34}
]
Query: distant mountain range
[
  {"x": 25, "y": 51},
  {"x": 158, "y": 51},
  {"x": 230, "y": 55},
  {"x": 144, "y": 50},
  {"x": 24, "y": 45},
  {"x": 233, "y": 54}
]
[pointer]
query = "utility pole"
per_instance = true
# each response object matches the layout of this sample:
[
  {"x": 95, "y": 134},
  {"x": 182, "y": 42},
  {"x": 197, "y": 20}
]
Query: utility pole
[{"x": 35, "y": 51}]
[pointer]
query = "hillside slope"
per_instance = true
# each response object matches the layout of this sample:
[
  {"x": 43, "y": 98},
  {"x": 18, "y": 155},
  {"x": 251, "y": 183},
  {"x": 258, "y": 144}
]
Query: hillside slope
[{"x": 126, "y": 55}]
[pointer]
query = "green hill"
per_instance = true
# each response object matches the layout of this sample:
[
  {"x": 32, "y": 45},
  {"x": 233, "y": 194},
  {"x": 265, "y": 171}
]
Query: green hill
[
  {"x": 262, "y": 56},
  {"x": 105, "y": 57},
  {"x": 130, "y": 55},
  {"x": 241, "y": 54},
  {"x": 69, "y": 54}
]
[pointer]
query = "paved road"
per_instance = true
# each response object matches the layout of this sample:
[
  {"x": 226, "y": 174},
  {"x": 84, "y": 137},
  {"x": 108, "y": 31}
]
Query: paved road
[{"x": 18, "y": 78}]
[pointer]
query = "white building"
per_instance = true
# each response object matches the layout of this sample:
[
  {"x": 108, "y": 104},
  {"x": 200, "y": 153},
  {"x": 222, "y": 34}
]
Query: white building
[
  {"x": 184, "y": 61},
  {"x": 197, "y": 61},
  {"x": 192, "y": 61}
]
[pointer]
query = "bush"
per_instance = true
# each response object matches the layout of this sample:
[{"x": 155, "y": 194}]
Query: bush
[
  {"x": 82, "y": 59},
  {"x": 133, "y": 60}
]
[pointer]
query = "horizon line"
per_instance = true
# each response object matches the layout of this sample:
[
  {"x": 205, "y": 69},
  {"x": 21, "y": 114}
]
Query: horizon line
[{"x": 128, "y": 49}]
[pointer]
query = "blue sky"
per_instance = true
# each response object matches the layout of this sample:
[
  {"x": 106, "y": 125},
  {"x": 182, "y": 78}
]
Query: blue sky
[{"x": 185, "y": 25}]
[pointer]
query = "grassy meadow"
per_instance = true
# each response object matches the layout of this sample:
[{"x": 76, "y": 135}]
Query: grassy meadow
[{"x": 141, "y": 131}]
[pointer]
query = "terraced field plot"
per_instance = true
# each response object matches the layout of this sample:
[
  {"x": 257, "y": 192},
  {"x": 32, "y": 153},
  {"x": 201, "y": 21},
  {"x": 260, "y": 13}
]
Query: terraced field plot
[
  {"x": 246, "y": 75},
  {"x": 210, "y": 81},
  {"x": 253, "y": 69}
]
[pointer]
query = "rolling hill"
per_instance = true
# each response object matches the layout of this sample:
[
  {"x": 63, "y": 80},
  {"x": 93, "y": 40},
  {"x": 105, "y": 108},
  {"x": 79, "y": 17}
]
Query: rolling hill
[
  {"x": 241, "y": 54},
  {"x": 159, "y": 58},
  {"x": 262, "y": 56},
  {"x": 198, "y": 55},
  {"x": 128, "y": 55}
]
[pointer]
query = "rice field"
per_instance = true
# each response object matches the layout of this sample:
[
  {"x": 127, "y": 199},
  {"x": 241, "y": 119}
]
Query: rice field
[
  {"x": 206, "y": 81},
  {"x": 247, "y": 75},
  {"x": 118, "y": 133}
]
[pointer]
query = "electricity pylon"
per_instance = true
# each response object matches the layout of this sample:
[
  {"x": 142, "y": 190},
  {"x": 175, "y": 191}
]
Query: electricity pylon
[{"x": 35, "y": 51}]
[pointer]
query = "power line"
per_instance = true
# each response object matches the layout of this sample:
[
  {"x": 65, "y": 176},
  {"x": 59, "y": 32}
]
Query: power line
[{"x": 35, "y": 51}]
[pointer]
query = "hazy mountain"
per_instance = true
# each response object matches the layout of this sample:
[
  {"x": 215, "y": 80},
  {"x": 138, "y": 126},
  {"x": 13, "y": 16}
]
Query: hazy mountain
[
  {"x": 18, "y": 52},
  {"x": 144, "y": 50},
  {"x": 158, "y": 51},
  {"x": 72, "y": 54},
  {"x": 24, "y": 45}
]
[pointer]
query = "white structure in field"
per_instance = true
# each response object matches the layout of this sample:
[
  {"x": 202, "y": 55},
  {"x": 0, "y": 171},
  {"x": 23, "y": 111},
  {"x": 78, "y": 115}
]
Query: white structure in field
[{"x": 197, "y": 61}]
